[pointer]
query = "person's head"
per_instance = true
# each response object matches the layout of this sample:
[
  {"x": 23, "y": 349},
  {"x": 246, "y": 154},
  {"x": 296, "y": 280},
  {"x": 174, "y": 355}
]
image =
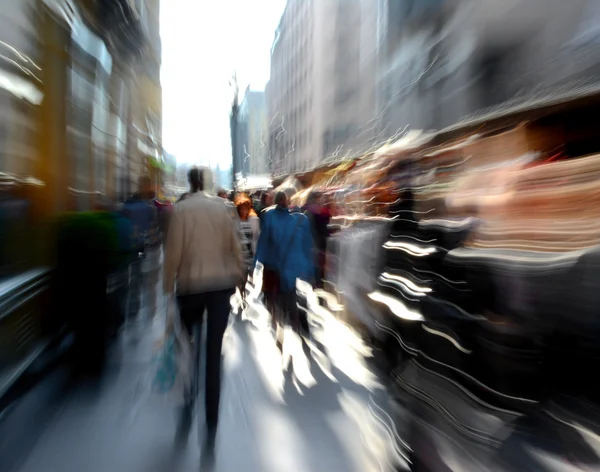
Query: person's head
[
  {"x": 145, "y": 187},
  {"x": 195, "y": 180},
  {"x": 314, "y": 198},
  {"x": 281, "y": 200},
  {"x": 223, "y": 194},
  {"x": 266, "y": 199},
  {"x": 244, "y": 206}
]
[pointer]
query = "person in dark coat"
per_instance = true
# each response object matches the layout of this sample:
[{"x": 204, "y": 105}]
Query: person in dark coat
[
  {"x": 319, "y": 217},
  {"x": 285, "y": 250}
]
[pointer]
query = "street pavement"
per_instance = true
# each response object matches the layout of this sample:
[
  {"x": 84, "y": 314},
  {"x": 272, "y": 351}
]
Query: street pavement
[{"x": 315, "y": 416}]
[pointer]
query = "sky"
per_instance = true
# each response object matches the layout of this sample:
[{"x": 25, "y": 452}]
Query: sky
[{"x": 203, "y": 44}]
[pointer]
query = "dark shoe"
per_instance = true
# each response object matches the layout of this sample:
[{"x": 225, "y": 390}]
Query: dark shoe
[{"x": 207, "y": 458}]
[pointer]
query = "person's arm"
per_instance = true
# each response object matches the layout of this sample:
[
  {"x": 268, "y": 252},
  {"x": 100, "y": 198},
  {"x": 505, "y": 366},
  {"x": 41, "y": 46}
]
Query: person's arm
[
  {"x": 234, "y": 240},
  {"x": 262, "y": 246},
  {"x": 173, "y": 252},
  {"x": 255, "y": 232},
  {"x": 308, "y": 248},
  {"x": 154, "y": 225}
]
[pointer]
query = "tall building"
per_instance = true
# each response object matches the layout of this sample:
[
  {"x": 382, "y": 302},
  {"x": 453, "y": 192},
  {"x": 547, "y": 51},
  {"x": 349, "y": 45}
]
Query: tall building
[
  {"x": 80, "y": 102},
  {"x": 442, "y": 60},
  {"x": 347, "y": 75},
  {"x": 222, "y": 178},
  {"x": 314, "y": 90},
  {"x": 253, "y": 115},
  {"x": 251, "y": 154},
  {"x": 100, "y": 120},
  {"x": 239, "y": 144}
]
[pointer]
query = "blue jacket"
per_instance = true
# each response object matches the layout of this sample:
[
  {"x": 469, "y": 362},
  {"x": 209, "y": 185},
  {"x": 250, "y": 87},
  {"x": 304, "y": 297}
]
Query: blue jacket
[
  {"x": 125, "y": 233},
  {"x": 143, "y": 217},
  {"x": 274, "y": 251}
]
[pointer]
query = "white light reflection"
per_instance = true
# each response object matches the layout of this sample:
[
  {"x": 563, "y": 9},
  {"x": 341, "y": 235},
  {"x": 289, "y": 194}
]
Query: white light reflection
[
  {"x": 268, "y": 358},
  {"x": 591, "y": 438},
  {"x": 346, "y": 351},
  {"x": 375, "y": 435},
  {"x": 330, "y": 299},
  {"x": 447, "y": 337},
  {"x": 411, "y": 249},
  {"x": 293, "y": 352},
  {"x": 407, "y": 284},
  {"x": 396, "y": 306},
  {"x": 20, "y": 88},
  {"x": 551, "y": 462}
]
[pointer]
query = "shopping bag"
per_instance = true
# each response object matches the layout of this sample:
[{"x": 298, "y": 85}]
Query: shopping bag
[{"x": 173, "y": 357}]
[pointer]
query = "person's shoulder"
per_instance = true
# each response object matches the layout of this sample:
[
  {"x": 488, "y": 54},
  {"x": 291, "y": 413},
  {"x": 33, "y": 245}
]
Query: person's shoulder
[
  {"x": 298, "y": 216},
  {"x": 301, "y": 220},
  {"x": 268, "y": 213},
  {"x": 184, "y": 205}
]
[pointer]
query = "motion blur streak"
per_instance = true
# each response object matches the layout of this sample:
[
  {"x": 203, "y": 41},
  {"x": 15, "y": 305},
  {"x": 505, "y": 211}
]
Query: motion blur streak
[{"x": 299, "y": 235}]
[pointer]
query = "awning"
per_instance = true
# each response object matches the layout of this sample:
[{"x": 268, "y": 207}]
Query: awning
[
  {"x": 343, "y": 167},
  {"x": 411, "y": 141},
  {"x": 554, "y": 100}
]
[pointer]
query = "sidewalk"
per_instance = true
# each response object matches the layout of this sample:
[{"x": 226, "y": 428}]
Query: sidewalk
[{"x": 271, "y": 421}]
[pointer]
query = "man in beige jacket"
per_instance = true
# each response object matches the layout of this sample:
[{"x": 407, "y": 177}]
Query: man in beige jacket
[{"x": 203, "y": 265}]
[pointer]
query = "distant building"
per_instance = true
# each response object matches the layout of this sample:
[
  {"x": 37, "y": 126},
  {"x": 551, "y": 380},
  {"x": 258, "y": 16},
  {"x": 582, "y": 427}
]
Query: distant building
[
  {"x": 170, "y": 162},
  {"x": 440, "y": 61},
  {"x": 222, "y": 178},
  {"x": 181, "y": 178},
  {"x": 251, "y": 154},
  {"x": 238, "y": 144},
  {"x": 315, "y": 90}
]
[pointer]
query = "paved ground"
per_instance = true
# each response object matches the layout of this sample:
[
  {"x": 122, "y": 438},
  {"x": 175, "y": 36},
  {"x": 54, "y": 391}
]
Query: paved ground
[{"x": 318, "y": 418}]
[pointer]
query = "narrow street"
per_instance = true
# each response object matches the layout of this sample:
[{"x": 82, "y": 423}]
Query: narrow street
[{"x": 320, "y": 418}]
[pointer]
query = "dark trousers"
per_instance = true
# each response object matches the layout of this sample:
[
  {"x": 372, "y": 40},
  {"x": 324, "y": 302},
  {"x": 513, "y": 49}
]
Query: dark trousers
[
  {"x": 287, "y": 302},
  {"x": 136, "y": 284},
  {"x": 191, "y": 310}
]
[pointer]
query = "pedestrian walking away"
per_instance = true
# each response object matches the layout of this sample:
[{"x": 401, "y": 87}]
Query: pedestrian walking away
[
  {"x": 285, "y": 250},
  {"x": 203, "y": 265}
]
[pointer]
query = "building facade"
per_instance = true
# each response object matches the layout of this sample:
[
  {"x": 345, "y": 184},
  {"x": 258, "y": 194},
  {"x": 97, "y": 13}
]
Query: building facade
[
  {"x": 314, "y": 90},
  {"x": 81, "y": 98},
  {"x": 346, "y": 76},
  {"x": 440, "y": 61},
  {"x": 79, "y": 92},
  {"x": 253, "y": 115},
  {"x": 250, "y": 146}
]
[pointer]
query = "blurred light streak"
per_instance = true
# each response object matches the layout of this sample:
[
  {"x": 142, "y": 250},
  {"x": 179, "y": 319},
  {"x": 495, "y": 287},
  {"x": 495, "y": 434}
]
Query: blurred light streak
[
  {"x": 267, "y": 356},
  {"x": 375, "y": 434},
  {"x": 411, "y": 350},
  {"x": 396, "y": 306},
  {"x": 22, "y": 56},
  {"x": 345, "y": 349},
  {"x": 454, "y": 342},
  {"x": 411, "y": 249},
  {"x": 379, "y": 413},
  {"x": 20, "y": 88},
  {"x": 420, "y": 291},
  {"x": 481, "y": 384}
]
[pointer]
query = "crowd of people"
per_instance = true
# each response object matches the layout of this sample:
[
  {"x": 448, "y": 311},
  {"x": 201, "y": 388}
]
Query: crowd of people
[{"x": 213, "y": 244}]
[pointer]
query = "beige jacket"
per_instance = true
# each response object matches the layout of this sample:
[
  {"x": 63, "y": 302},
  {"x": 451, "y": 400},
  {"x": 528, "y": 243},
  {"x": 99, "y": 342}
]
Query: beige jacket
[{"x": 202, "y": 252}]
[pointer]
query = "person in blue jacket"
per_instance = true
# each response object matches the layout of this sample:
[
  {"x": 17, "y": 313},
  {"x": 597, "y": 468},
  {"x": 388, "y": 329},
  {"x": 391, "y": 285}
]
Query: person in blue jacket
[{"x": 285, "y": 250}]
